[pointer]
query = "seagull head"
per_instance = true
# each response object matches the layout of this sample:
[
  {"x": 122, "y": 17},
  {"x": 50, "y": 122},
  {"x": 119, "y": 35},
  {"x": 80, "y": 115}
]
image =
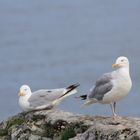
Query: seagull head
[
  {"x": 121, "y": 62},
  {"x": 24, "y": 90}
]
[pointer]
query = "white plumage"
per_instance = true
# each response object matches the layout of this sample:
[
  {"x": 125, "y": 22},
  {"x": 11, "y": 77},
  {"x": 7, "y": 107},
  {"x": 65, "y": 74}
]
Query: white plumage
[
  {"x": 111, "y": 87},
  {"x": 44, "y": 98}
]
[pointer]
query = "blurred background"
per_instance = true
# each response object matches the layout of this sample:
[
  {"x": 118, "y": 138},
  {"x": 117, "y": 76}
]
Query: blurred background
[{"x": 51, "y": 44}]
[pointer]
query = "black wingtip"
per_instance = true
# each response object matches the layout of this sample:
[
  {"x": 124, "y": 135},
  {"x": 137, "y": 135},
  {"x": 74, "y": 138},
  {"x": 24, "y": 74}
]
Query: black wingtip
[
  {"x": 73, "y": 86},
  {"x": 82, "y": 97},
  {"x": 70, "y": 88}
]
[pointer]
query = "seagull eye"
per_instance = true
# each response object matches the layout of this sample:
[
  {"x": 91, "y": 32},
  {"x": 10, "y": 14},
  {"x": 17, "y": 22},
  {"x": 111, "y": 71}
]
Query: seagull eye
[{"x": 122, "y": 60}]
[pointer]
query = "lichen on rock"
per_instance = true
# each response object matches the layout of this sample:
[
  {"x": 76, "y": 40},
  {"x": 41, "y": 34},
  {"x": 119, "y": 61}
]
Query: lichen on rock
[{"x": 60, "y": 125}]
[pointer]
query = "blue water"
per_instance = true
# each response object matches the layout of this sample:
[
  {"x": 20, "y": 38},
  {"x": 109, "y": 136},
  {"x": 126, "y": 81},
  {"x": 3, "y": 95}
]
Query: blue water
[{"x": 51, "y": 44}]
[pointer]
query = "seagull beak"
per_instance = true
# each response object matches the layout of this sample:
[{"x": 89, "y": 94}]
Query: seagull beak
[
  {"x": 21, "y": 94},
  {"x": 115, "y": 65}
]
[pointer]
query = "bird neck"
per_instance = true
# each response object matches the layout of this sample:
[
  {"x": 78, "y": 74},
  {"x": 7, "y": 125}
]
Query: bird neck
[
  {"x": 124, "y": 70},
  {"x": 27, "y": 96}
]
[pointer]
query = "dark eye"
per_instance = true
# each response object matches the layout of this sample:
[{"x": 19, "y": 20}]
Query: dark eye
[
  {"x": 122, "y": 60},
  {"x": 25, "y": 89}
]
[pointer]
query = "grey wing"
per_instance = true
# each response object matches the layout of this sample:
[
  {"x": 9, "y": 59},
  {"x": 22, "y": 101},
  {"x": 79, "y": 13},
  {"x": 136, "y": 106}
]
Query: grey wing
[
  {"x": 44, "y": 97},
  {"x": 102, "y": 86}
]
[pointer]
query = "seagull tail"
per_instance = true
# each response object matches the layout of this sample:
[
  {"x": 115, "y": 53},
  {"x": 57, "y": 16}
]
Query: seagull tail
[
  {"x": 88, "y": 101},
  {"x": 70, "y": 90}
]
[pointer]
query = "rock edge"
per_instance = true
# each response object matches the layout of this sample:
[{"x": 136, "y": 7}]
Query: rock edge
[{"x": 60, "y": 125}]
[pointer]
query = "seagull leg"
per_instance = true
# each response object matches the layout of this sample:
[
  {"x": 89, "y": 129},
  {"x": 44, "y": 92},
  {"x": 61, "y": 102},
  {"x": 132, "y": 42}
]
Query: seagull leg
[{"x": 113, "y": 108}]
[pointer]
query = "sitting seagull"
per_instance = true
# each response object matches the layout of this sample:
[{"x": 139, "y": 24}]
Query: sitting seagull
[
  {"x": 44, "y": 98},
  {"x": 111, "y": 87}
]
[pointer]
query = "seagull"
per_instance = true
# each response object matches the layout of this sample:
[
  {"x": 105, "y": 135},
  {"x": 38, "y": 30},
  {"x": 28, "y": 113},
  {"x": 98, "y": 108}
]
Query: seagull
[
  {"x": 44, "y": 98},
  {"x": 111, "y": 87}
]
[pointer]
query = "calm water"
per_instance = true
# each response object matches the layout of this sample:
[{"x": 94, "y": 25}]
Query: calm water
[{"x": 50, "y": 44}]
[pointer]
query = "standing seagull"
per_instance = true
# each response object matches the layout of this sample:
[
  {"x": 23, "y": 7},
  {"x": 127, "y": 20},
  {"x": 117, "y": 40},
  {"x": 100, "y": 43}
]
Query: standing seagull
[
  {"x": 44, "y": 98},
  {"x": 111, "y": 87}
]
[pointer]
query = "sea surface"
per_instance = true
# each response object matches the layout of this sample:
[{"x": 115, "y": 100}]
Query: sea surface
[{"x": 55, "y": 43}]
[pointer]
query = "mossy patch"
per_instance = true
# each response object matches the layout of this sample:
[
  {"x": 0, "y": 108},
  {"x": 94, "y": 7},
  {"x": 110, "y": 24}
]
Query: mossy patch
[
  {"x": 14, "y": 121},
  {"x": 63, "y": 129},
  {"x": 68, "y": 133},
  {"x": 11, "y": 122},
  {"x": 3, "y": 132}
]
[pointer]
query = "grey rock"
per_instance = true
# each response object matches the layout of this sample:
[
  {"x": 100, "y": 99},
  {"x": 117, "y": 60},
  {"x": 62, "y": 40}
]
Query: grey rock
[
  {"x": 60, "y": 125},
  {"x": 36, "y": 137}
]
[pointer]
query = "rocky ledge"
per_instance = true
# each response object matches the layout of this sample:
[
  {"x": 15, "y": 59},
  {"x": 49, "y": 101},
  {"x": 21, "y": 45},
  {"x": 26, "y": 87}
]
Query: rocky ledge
[{"x": 60, "y": 125}]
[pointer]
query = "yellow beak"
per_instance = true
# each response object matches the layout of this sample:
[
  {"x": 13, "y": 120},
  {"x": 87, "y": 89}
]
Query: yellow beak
[
  {"x": 21, "y": 94},
  {"x": 115, "y": 65}
]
